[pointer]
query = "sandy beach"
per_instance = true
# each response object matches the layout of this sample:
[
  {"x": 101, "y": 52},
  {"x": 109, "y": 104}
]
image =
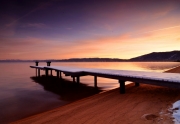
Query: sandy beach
[{"x": 146, "y": 104}]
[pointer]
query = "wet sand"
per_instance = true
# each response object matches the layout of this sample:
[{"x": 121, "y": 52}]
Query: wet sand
[{"x": 146, "y": 104}]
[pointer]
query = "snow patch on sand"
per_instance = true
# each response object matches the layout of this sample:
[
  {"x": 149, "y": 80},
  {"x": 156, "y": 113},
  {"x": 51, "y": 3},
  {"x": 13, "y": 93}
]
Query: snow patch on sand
[{"x": 176, "y": 112}]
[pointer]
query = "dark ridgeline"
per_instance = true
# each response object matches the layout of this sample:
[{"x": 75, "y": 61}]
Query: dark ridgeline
[
  {"x": 70, "y": 60},
  {"x": 159, "y": 56},
  {"x": 93, "y": 60},
  {"x": 172, "y": 56}
]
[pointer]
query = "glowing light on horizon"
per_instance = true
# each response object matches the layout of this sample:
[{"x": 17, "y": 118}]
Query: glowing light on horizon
[{"x": 163, "y": 29}]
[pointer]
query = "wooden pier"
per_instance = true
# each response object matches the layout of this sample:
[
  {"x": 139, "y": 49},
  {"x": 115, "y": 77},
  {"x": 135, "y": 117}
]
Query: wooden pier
[{"x": 152, "y": 78}]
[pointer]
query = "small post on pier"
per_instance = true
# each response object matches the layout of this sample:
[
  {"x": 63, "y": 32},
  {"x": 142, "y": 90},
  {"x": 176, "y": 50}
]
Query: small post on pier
[
  {"x": 136, "y": 84},
  {"x": 122, "y": 86},
  {"x": 95, "y": 81},
  {"x": 48, "y": 63},
  {"x": 36, "y": 63}
]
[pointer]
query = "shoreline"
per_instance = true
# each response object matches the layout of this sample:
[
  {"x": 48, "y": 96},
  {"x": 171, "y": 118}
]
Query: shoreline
[
  {"x": 173, "y": 70},
  {"x": 139, "y": 105}
]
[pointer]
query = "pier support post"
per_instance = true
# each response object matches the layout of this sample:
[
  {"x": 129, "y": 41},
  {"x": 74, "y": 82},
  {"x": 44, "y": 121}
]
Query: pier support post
[
  {"x": 95, "y": 81},
  {"x": 46, "y": 71},
  {"x": 57, "y": 74},
  {"x": 38, "y": 72},
  {"x": 122, "y": 86},
  {"x": 73, "y": 79},
  {"x": 36, "y": 63},
  {"x": 51, "y": 72},
  {"x": 60, "y": 75},
  {"x": 136, "y": 84},
  {"x": 78, "y": 79}
]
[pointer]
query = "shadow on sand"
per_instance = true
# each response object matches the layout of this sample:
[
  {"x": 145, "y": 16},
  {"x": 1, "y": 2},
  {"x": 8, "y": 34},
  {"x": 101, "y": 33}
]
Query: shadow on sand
[{"x": 68, "y": 90}]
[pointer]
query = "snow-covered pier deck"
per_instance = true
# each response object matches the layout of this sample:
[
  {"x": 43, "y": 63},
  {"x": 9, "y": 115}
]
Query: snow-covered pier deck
[{"x": 152, "y": 78}]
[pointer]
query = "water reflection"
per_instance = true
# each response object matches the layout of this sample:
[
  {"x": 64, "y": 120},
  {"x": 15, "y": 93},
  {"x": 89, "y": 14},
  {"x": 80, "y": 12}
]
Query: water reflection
[
  {"x": 157, "y": 66},
  {"x": 67, "y": 90}
]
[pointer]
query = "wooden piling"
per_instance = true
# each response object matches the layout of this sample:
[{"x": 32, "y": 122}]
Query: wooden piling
[
  {"x": 46, "y": 71},
  {"x": 60, "y": 75},
  {"x": 95, "y": 81},
  {"x": 36, "y": 63},
  {"x": 38, "y": 72},
  {"x": 136, "y": 84},
  {"x": 57, "y": 72},
  {"x": 122, "y": 86},
  {"x": 78, "y": 79},
  {"x": 73, "y": 79},
  {"x": 51, "y": 73}
]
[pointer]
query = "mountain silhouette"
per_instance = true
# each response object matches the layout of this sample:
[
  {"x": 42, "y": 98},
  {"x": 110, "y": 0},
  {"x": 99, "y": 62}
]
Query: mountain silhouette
[{"x": 159, "y": 56}]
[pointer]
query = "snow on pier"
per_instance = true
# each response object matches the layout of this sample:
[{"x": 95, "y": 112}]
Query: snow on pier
[{"x": 153, "y": 78}]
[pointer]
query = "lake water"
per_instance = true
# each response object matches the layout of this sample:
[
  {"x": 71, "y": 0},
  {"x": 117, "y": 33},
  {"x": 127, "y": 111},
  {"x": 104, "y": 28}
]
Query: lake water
[{"x": 20, "y": 96}]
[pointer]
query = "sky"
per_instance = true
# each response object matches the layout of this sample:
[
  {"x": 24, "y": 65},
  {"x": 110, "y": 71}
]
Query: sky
[{"x": 62, "y": 29}]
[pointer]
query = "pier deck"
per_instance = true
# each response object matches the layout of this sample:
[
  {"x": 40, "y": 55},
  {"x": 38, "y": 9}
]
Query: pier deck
[{"x": 153, "y": 78}]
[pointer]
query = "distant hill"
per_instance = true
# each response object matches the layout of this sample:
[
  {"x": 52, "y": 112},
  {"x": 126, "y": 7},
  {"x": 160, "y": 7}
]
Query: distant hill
[
  {"x": 92, "y": 60},
  {"x": 70, "y": 60},
  {"x": 155, "y": 56},
  {"x": 159, "y": 56}
]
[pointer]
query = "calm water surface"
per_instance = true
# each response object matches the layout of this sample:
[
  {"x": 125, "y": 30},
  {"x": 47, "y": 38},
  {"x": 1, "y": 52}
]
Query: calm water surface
[{"x": 20, "y": 96}]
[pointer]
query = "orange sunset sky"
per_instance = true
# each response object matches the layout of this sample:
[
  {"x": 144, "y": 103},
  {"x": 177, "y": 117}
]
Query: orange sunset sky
[{"x": 61, "y": 29}]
